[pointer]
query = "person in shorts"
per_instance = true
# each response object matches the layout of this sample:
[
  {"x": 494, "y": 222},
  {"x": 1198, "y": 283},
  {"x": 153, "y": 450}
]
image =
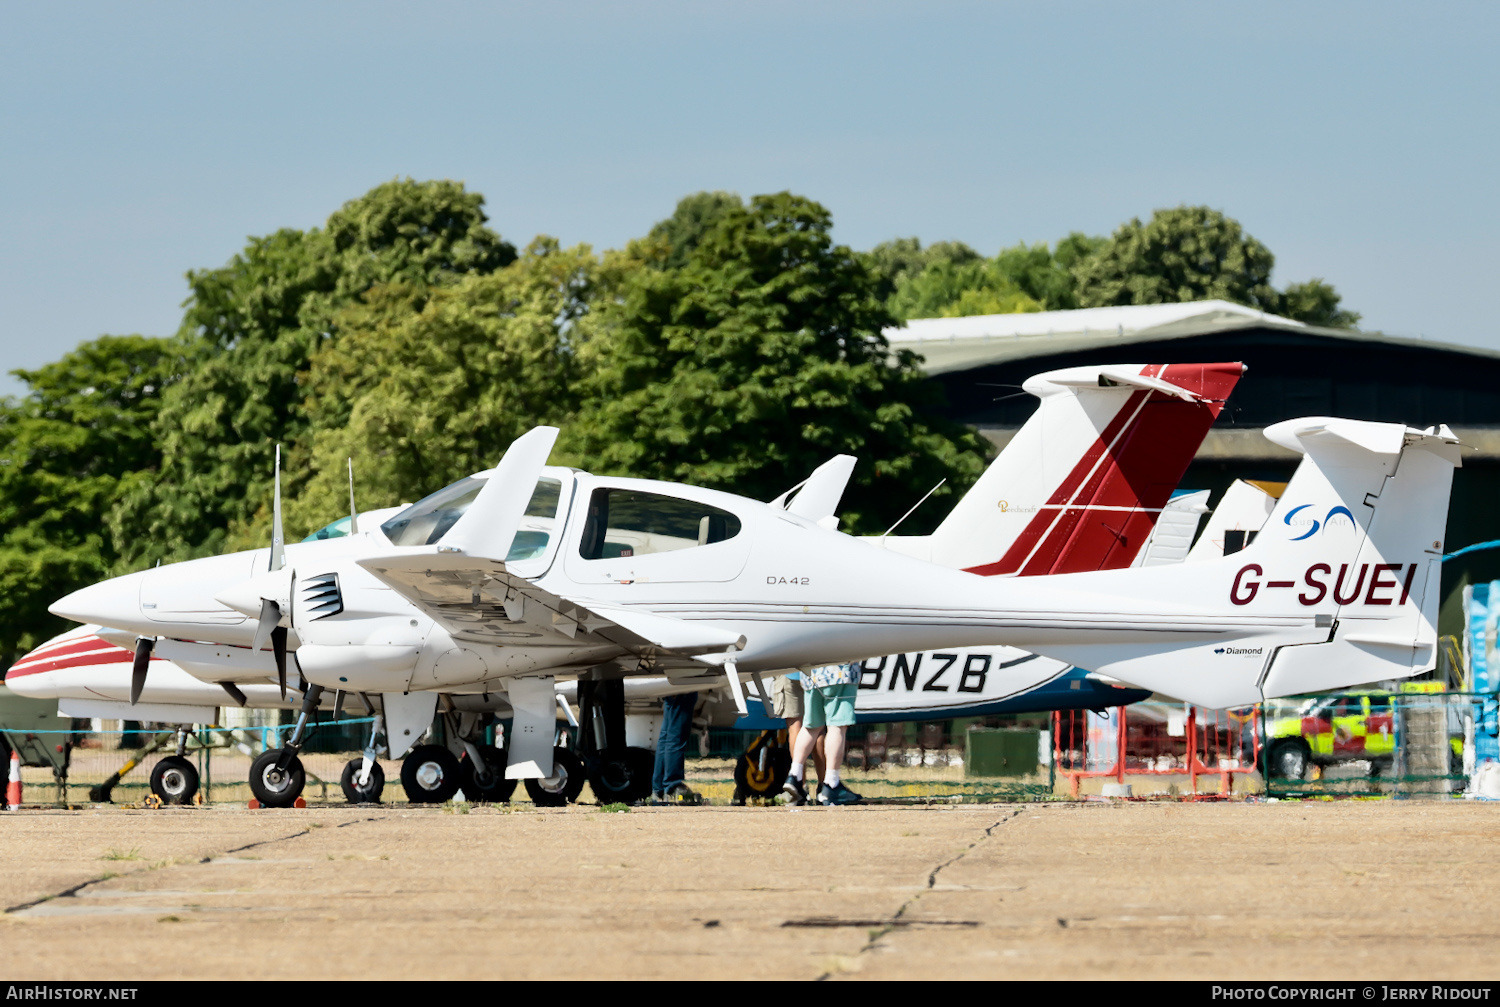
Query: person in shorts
[
  {"x": 828, "y": 710},
  {"x": 787, "y": 705}
]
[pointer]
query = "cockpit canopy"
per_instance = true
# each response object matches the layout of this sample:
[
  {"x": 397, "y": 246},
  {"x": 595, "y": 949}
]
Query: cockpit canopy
[{"x": 428, "y": 520}]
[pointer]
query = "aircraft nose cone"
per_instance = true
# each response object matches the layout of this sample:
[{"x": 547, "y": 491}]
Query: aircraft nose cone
[{"x": 115, "y": 602}]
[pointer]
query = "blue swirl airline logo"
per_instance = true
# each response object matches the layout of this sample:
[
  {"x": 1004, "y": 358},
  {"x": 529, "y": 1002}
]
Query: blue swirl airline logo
[{"x": 1333, "y": 512}]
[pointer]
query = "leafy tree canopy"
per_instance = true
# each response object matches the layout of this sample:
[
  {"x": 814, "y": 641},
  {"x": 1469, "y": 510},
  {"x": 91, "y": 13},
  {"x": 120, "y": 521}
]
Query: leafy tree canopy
[
  {"x": 67, "y": 449},
  {"x": 1194, "y": 253},
  {"x": 1316, "y": 303},
  {"x": 754, "y": 362},
  {"x": 694, "y": 217},
  {"x": 420, "y": 390},
  {"x": 1190, "y": 253},
  {"x": 252, "y": 327}
]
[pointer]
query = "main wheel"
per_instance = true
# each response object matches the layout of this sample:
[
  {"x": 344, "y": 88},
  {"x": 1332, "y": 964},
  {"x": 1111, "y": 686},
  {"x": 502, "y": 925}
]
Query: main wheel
[
  {"x": 563, "y": 786},
  {"x": 430, "y": 775},
  {"x": 370, "y": 792},
  {"x": 174, "y": 780},
  {"x": 499, "y": 789},
  {"x": 625, "y": 779},
  {"x": 273, "y": 787},
  {"x": 751, "y": 781},
  {"x": 1288, "y": 760}
]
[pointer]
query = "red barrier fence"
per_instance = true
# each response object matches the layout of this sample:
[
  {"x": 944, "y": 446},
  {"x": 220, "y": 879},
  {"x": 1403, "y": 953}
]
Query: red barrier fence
[{"x": 1156, "y": 741}]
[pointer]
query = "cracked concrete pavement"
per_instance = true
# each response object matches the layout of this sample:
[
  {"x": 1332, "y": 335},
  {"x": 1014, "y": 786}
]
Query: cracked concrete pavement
[{"x": 1290, "y": 890}]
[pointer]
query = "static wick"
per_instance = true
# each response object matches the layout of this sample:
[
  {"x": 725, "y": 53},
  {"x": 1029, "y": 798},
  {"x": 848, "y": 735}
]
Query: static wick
[{"x": 915, "y": 506}]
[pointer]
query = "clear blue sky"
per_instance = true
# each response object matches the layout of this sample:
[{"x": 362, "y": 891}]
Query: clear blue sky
[{"x": 1358, "y": 141}]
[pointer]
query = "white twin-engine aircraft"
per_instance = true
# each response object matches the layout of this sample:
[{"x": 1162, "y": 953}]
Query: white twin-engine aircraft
[
  {"x": 1077, "y": 488},
  {"x": 618, "y": 577}
]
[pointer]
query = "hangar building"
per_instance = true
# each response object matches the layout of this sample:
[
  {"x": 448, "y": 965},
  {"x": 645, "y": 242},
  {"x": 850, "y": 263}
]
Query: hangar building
[{"x": 1294, "y": 370}]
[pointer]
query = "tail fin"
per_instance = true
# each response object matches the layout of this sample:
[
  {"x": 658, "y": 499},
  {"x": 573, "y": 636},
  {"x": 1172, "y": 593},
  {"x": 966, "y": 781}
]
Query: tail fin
[
  {"x": 1340, "y": 588},
  {"x": 1081, "y": 484}
]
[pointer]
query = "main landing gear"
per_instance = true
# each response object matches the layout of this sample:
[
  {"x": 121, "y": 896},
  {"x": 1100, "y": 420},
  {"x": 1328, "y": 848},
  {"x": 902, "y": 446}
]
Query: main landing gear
[
  {"x": 432, "y": 774},
  {"x": 617, "y": 773}
]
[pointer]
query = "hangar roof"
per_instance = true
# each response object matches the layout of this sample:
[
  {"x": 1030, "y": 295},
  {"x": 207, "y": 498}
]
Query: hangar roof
[{"x": 957, "y": 344}]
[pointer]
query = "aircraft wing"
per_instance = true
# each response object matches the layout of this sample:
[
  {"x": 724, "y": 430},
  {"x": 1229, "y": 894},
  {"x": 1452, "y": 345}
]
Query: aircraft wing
[{"x": 478, "y": 600}]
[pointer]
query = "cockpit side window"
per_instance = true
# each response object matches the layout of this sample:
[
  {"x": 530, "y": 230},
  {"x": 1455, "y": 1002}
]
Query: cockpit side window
[
  {"x": 428, "y": 520},
  {"x": 624, "y": 522}
]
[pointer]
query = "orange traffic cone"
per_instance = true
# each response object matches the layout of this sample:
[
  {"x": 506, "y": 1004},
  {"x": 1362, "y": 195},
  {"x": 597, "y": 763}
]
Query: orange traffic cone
[{"x": 13, "y": 788}]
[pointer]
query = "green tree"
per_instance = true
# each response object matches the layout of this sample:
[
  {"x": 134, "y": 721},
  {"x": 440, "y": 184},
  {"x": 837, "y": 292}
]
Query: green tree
[
  {"x": 80, "y": 437},
  {"x": 1316, "y": 303},
  {"x": 1194, "y": 253},
  {"x": 953, "y": 290},
  {"x": 1046, "y": 275},
  {"x": 424, "y": 388},
  {"x": 252, "y": 327},
  {"x": 693, "y": 218},
  {"x": 1190, "y": 253},
  {"x": 757, "y": 360},
  {"x": 891, "y": 261}
]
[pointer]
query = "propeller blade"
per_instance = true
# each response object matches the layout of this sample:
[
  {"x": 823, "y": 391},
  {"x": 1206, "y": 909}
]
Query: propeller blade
[
  {"x": 143, "y": 648},
  {"x": 278, "y": 648},
  {"x": 278, "y": 538},
  {"x": 270, "y": 615}
]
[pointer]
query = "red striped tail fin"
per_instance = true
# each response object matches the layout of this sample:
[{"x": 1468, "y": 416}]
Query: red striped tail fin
[{"x": 1081, "y": 484}]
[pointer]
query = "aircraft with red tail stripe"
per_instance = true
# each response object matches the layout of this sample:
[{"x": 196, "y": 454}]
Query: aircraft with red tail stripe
[{"x": 1093, "y": 467}]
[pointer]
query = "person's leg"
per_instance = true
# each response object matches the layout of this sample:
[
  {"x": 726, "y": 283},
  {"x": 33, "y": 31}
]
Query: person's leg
[
  {"x": 819, "y": 756},
  {"x": 834, "y": 752},
  {"x": 786, "y": 704},
  {"x": 671, "y": 741},
  {"x": 839, "y": 712},
  {"x": 793, "y": 731},
  {"x": 807, "y": 738}
]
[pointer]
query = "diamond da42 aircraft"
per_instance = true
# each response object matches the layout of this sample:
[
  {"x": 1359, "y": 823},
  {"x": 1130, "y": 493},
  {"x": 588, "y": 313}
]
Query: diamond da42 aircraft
[
  {"x": 1339, "y": 588},
  {"x": 1081, "y": 483}
]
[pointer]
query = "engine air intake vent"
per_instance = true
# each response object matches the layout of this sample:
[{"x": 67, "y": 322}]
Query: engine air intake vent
[{"x": 322, "y": 597}]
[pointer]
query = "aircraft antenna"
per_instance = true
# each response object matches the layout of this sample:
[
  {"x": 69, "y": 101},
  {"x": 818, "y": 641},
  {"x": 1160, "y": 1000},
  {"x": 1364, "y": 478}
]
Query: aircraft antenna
[
  {"x": 915, "y": 506},
  {"x": 353, "y": 514}
]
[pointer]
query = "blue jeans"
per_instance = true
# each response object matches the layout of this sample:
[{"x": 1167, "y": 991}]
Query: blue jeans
[{"x": 676, "y": 724}]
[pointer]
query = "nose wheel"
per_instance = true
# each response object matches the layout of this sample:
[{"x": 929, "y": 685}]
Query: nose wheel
[
  {"x": 370, "y": 792},
  {"x": 763, "y": 768},
  {"x": 175, "y": 780},
  {"x": 277, "y": 778}
]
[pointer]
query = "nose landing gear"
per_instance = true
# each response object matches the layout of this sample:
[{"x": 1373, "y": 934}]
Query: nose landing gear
[
  {"x": 363, "y": 780},
  {"x": 175, "y": 778},
  {"x": 277, "y": 776},
  {"x": 760, "y": 772}
]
